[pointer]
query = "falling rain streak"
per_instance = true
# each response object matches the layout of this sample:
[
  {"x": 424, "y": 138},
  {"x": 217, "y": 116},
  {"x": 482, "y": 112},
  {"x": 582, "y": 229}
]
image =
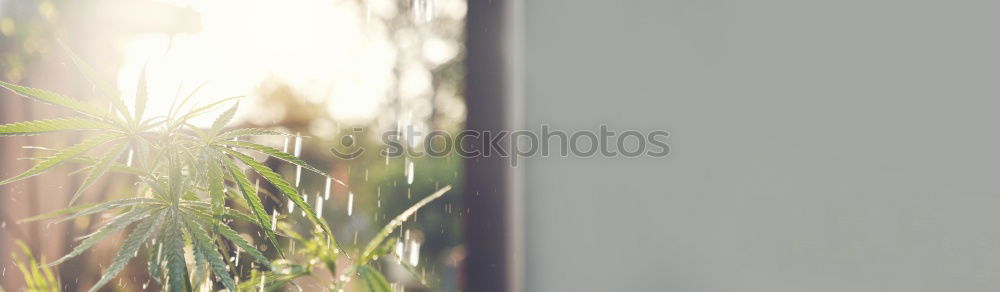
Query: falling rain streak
[
  {"x": 298, "y": 153},
  {"x": 350, "y": 203}
]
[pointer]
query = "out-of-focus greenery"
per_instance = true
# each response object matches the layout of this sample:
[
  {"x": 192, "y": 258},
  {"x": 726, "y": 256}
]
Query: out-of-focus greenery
[{"x": 37, "y": 278}]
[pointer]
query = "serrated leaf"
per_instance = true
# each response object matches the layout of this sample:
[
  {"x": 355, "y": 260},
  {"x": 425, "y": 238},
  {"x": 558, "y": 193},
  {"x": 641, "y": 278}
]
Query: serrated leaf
[
  {"x": 263, "y": 219},
  {"x": 62, "y": 156},
  {"x": 374, "y": 243},
  {"x": 173, "y": 110},
  {"x": 215, "y": 188},
  {"x": 102, "y": 86},
  {"x": 113, "y": 226},
  {"x": 173, "y": 252},
  {"x": 283, "y": 186},
  {"x": 99, "y": 169},
  {"x": 279, "y": 155},
  {"x": 210, "y": 254},
  {"x": 373, "y": 281},
  {"x": 38, "y": 127},
  {"x": 101, "y": 207},
  {"x": 251, "y": 132},
  {"x": 229, "y": 213},
  {"x": 129, "y": 248},
  {"x": 56, "y": 213},
  {"x": 224, "y": 119},
  {"x": 201, "y": 110},
  {"x": 56, "y": 99},
  {"x": 236, "y": 239},
  {"x": 155, "y": 258}
]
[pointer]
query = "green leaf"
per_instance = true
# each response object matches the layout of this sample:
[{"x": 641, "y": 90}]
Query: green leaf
[
  {"x": 62, "y": 156},
  {"x": 99, "y": 169},
  {"x": 386, "y": 247},
  {"x": 373, "y": 281},
  {"x": 236, "y": 239},
  {"x": 120, "y": 203},
  {"x": 229, "y": 213},
  {"x": 211, "y": 255},
  {"x": 57, "y": 99},
  {"x": 129, "y": 249},
  {"x": 278, "y": 182},
  {"x": 279, "y": 155},
  {"x": 154, "y": 266},
  {"x": 251, "y": 132},
  {"x": 37, "y": 127},
  {"x": 253, "y": 201},
  {"x": 173, "y": 110},
  {"x": 389, "y": 227},
  {"x": 215, "y": 188},
  {"x": 201, "y": 110},
  {"x": 113, "y": 226},
  {"x": 173, "y": 252},
  {"x": 102, "y": 86},
  {"x": 56, "y": 213},
  {"x": 224, "y": 119}
]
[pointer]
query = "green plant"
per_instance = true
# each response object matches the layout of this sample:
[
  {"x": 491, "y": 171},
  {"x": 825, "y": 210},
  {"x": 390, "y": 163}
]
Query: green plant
[
  {"x": 190, "y": 183},
  {"x": 37, "y": 278}
]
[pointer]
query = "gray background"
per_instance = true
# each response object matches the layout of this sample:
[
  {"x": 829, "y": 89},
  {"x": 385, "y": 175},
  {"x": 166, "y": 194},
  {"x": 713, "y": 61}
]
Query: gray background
[{"x": 816, "y": 145}]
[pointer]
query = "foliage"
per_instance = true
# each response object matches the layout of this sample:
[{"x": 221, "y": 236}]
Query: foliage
[
  {"x": 37, "y": 278},
  {"x": 191, "y": 183}
]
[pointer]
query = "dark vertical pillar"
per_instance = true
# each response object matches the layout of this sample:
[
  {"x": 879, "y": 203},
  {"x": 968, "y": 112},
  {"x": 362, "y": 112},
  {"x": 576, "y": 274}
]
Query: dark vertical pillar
[{"x": 486, "y": 190}]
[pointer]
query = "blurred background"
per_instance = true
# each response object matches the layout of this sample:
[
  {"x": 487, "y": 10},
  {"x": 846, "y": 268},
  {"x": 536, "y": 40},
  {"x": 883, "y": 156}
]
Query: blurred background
[{"x": 318, "y": 68}]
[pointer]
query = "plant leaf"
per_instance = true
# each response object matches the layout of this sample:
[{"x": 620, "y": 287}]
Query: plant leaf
[
  {"x": 201, "y": 110},
  {"x": 102, "y": 86},
  {"x": 127, "y": 202},
  {"x": 253, "y": 201},
  {"x": 215, "y": 188},
  {"x": 278, "y": 182},
  {"x": 56, "y": 99},
  {"x": 37, "y": 127},
  {"x": 129, "y": 248},
  {"x": 173, "y": 249},
  {"x": 99, "y": 169},
  {"x": 279, "y": 155},
  {"x": 62, "y": 156},
  {"x": 55, "y": 213},
  {"x": 231, "y": 235},
  {"x": 387, "y": 229},
  {"x": 210, "y": 254},
  {"x": 373, "y": 280},
  {"x": 224, "y": 119},
  {"x": 116, "y": 224},
  {"x": 250, "y": 132}
]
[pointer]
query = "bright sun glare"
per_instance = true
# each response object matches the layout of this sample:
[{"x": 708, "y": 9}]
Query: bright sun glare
[{"x": 328, "y": 51}]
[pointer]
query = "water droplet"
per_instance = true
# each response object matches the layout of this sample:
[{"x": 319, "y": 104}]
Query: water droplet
[
  {"x": 409, "y": 173},
  {"x": 305, "y": 199},
  {"x": 298, "y": 152},
  {"x": 350, "y": 203},
  {"x": 319, "y": 206},
  {"x": 129, "y": 160},
  {"x": 274, "y": 219},
  {"x": 327, "y": 194}
]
